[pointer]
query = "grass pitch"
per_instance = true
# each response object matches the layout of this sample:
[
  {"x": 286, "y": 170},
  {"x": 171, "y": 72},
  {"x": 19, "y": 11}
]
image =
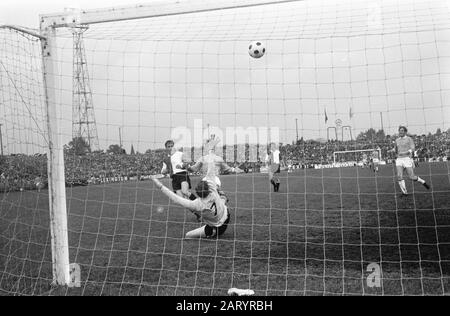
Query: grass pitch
[{"x": 317, "y": 236}]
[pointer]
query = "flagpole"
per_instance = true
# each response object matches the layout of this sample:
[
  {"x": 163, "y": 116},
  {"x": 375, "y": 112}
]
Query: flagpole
[
  {"x": 120, "y": 137},
  {"x": 1, "y": 141},
  {"x": 326, "y": 120},
  {"x": 351, "y": 122},
  {"x": 381, "y": 118}
]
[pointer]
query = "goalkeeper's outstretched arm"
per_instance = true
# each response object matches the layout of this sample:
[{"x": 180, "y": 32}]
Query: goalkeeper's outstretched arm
[{"x": 191, "y": 205}]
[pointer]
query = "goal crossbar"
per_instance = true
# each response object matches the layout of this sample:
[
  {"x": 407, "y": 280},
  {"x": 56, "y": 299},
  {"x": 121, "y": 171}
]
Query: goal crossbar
[
  {"x": 22, "y": 30},
  {"x": 156, "y": 9}
]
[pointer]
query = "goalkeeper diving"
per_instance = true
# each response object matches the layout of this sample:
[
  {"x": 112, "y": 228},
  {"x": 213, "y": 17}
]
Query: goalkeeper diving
[{"x": 210, "y": 207}]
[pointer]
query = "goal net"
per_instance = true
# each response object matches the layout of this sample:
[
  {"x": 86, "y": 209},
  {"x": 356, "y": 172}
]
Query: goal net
[{"x": 112, "y": 86}]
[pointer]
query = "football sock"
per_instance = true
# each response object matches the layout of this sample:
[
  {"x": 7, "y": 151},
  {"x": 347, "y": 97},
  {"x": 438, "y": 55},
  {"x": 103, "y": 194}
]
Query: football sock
[
  {"x": 197, "y": 233},
  {"x": 402, "y": 185},
  {"x": 420, "y": 180}
]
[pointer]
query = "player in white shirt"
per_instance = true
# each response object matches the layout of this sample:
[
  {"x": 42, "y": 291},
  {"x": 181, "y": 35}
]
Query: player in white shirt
[
  {"x": 209, "y": 206},
  {"x": 404, "y": 147},
  {"x": 173, "y": 165},
  {"x": 364, "y": 160},
  {"x": 273, "y": 166},
  {"x": 375, "y": 160},
  {"x": 290, "y": 166}
]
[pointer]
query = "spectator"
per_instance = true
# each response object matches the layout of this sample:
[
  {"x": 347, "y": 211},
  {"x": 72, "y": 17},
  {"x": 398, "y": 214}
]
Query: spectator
[{"x": 30, "y": 171}]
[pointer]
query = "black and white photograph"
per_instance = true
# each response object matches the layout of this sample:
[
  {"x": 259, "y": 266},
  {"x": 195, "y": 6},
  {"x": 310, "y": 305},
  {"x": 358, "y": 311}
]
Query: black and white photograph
[{"x": 233, "y": 149}]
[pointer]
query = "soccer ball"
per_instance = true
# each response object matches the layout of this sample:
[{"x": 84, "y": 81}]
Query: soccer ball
[{"x": 256, "y": 49}]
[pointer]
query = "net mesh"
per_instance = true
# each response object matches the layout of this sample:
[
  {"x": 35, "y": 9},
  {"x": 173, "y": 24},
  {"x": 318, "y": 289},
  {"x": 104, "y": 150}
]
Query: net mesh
[{"x": 328, "y": 231}]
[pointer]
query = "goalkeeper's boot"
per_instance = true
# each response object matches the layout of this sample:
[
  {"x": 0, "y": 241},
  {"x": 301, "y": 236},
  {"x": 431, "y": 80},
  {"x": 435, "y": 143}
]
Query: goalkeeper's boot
[{"x": 426, "y": 185}]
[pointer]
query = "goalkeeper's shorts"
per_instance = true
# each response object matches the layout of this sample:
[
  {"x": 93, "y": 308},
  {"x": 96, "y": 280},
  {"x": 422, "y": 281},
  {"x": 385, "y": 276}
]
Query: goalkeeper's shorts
[{"x": 214, "y": 232}]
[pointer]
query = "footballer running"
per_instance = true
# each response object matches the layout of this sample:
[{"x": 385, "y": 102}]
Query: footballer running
[{"x": 404, "y": 148}]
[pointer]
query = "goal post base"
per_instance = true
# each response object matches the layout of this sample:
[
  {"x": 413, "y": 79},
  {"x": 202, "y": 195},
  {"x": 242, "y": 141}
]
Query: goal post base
[
  {"x": 74, "y": 279},
  {"x": 75, "y": 275}
]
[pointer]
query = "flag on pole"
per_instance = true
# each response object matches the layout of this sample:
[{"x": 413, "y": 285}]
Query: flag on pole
[
  {"x": 350, "y": 113},
  {"x": 326, "y": 117}
]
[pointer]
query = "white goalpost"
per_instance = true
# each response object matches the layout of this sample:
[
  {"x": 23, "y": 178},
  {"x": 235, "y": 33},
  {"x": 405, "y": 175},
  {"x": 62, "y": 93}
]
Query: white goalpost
[
  {"x": 356, "y": 155},
  {"x": 56, "y": 177},
  {"x": 87, "y": 220}
]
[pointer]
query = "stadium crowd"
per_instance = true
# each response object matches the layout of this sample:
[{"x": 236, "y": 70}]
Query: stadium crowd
[
  {"x": 309, "y": 153},
  {"x": 26, "y": 172}
]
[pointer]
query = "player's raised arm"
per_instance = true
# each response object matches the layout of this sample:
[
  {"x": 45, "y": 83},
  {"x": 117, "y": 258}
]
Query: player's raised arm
[{"x": 191, "y": 205}]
